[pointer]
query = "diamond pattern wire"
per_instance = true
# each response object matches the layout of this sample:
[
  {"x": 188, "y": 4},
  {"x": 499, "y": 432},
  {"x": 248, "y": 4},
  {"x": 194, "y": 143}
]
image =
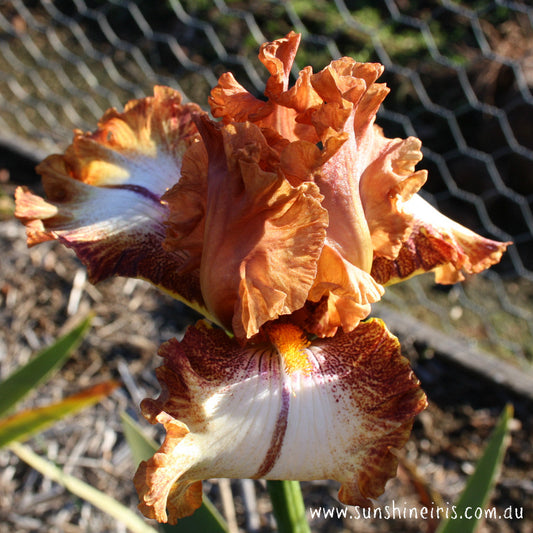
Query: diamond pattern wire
[{"x": 461, "y": 78}]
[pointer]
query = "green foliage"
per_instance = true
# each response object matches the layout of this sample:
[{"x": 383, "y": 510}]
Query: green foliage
[
  {"x": 40, "y": 368},
  {"x": 479, "y": 485},
  {"x": 288, "y": 506},
  {"x": 28, "y": 377},
  {"x": 77, "y": 487},
  {"x": 26, "y": 423}
]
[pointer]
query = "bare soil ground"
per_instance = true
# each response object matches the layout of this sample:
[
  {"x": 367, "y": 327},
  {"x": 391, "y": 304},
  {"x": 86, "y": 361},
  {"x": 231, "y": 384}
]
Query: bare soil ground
[{"x": 43, "y": 292}]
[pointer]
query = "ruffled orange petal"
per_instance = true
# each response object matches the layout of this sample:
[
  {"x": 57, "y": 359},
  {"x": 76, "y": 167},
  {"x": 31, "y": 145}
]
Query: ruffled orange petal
[
  {"x": 344, "y": 123},
  {"x": 330, "y": 409},
  {"x": 104, "y": 193},
  {"x": 230, "y": 101},
  {"x": 345, "y": 293},
  {"x": 440, "y": 245},
  {"x": 351, "y": 100},
  {"x": 262, "y": 236},
  {"x": 187, "y": 204},
  {"x": 364, "y": 177},
  {"x": 388, "y": 182},
  {"x": 233, "y": 103}
]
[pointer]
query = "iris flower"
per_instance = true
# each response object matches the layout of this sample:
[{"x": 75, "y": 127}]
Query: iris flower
[{"x": 281, "y": 221}]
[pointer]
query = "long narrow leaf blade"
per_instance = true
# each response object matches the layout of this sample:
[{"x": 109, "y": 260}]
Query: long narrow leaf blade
[
  {"x": 22, "y": 425},
  {"x": 97, "y": 498},
  {"x": 206, "y": 518},
  {"x": 479, "y": 485},
  {"x": 40, "y": 368},
  {"x": 142, "y": 447}
]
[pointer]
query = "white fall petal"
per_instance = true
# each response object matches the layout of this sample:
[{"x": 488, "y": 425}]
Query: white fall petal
[
  {"x": 335, "y": 412},
  {"x": 104, "y": 194}
]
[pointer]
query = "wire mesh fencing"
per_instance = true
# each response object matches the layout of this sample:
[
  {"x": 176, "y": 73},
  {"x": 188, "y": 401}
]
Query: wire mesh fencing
[{"x": 460, "y": 73}]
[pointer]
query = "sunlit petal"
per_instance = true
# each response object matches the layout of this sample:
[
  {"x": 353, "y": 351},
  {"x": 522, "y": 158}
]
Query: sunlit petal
[
  {"x": 350, "y": 100},
  {"x": 103, "y": 195},
  {"x": 262, "y": 237},
  {"x": 281, "y": 111},
  {"x": 438, "y": 244},
  {"x": 365, "y": 178},
  {"x": 387, "y": 183},
  {"x": 343, "y": 293},
  {"x": 333, "y": 409}
]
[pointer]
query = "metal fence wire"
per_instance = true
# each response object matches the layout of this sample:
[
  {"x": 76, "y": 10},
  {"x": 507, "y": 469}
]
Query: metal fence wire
[{"x": 460, "y": 73}]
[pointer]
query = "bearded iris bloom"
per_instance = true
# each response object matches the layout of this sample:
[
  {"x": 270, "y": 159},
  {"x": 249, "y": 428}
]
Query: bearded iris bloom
[{"x": 282, "y": 221}]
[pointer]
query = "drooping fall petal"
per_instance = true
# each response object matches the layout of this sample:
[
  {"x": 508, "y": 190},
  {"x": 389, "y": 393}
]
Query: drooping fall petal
[
  {"x": 437, "y": 244},
  {"x": 104, "y": 193},
  {"x": 330, "y": 409}
]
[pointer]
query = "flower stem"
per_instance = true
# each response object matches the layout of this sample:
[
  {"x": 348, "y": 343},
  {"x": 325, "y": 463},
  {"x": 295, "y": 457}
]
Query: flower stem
[{"x": 288, "y": 506}]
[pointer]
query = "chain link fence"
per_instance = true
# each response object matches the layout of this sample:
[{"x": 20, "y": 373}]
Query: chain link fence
[{"x": 460, "y": 73}]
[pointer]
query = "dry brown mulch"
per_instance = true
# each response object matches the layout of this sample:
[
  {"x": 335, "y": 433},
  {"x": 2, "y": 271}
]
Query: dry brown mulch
[{"x": 44, "y": 291}]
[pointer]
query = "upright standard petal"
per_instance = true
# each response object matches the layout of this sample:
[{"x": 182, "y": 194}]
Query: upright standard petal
[
  {"x": 368, "y": 178},
  {"x": 233, "y": 103},
  {"x": 104, "y": 193},
  {"x": 440, "y": 245},
  {"x": 364, "y": 177},
  {"x": 286, "y": 409},
  {"x": 350, "y": 100},
  {"x": 259, "y": 237}
]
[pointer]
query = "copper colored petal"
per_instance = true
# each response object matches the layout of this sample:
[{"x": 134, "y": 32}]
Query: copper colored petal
[
  {"x": 262, "y": 236},
  {"x": 440, "y": 245}
]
